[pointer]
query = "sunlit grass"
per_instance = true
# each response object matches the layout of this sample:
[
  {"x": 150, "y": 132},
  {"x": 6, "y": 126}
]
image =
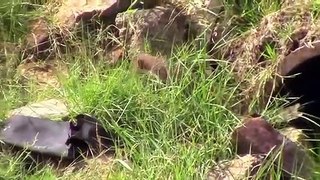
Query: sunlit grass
[{"x": 170, "y": 131}]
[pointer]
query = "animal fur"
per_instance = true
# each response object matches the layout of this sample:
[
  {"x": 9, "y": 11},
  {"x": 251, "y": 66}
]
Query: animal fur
[{"x": 146, "y": 63}]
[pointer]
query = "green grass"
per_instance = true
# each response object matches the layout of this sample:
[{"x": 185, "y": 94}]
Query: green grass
[
  {"x": 248, "y": 13},
  {"x": 167, "y": 129},
  {"x": 174, "y": 131}
]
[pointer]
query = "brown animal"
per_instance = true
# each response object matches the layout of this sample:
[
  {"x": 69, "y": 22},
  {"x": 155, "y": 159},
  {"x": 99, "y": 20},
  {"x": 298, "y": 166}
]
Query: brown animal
[
  {"x": 116, "y": 55},
  {"x": 146, "y": 63},
  {"x": 256, "y": 136}
]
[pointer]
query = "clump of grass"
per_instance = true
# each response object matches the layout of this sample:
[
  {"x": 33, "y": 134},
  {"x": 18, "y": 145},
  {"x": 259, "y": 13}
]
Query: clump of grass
[
  {"x": 249, "y": 13},
  {"x": 14, "y": 19},
  {"x": 172, "y": 128},
  {"x": 157, "y": 122},
  {"x": 173, "y": 131}
]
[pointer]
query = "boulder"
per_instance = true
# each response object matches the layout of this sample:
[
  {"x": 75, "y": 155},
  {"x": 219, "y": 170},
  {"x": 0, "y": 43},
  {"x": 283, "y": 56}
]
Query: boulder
[
  {"x": 163, "y": 27},
  {"x": 45, "y": 36},
  {"x": 256, "y": 136}
]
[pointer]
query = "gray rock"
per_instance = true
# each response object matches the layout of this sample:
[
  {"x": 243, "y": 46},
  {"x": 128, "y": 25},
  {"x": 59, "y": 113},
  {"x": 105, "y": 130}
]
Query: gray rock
[
  {"x": 235, "y": 169},
  {"x": 51, "y": 108},
  {"x": 163, "y": 27}
]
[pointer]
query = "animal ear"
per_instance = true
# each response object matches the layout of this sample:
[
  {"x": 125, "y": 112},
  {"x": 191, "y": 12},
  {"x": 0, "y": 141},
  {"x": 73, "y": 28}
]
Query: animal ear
[
  {"x": 163, "y": 73},
  {"x": 140, "y": 64},
  {"x": 254, "y": 115}
]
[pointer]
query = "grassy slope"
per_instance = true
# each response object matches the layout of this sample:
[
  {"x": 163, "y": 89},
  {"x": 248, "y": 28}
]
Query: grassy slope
[{"x": 171, "y": 132}]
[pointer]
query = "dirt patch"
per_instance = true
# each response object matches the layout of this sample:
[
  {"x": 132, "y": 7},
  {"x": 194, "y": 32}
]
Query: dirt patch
[
  {"x": 238, "y": 168},
  {"x": 100, "y": 167},
  {"x": 43, "y": 74},
  {"x": 43, "y": 40}
]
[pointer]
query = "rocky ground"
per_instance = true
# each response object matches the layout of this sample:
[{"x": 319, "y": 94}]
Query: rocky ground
[{"x": 75, "y": 50}]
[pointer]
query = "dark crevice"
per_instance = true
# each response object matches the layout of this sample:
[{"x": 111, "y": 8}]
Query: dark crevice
[
  {"x": 295, "y": 45},
  {"x": 305, "y": 85}
]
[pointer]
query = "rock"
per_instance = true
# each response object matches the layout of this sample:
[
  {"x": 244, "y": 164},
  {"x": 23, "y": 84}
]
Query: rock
[
  {"x": 300, "y": 69},
  {"x": 256, "y": 136},
  {"x": 51, "y": 108},
  {"x": 247, "y": 53},
  {"x": 69, "y": 15},
  {"x": 299, "y": 56},
  {"x": 236, "y": 169},
  {"x": 38, "y": 43},
  {"x": 202, "y": 12},
  {"x": 72, "y": 11},
  {"x": 203, "y": 15},
  {"x": 296, "y": 136},
  {"x": 163, "y": 27},
  {"x": 147, "y": 63}
]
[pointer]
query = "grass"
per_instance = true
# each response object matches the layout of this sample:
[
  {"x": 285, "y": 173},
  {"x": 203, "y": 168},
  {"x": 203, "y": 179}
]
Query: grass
[{"x": 175, "y": 131}]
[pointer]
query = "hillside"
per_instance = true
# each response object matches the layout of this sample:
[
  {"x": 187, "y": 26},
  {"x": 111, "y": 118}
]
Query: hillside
[{"x": 173, "y": 79}]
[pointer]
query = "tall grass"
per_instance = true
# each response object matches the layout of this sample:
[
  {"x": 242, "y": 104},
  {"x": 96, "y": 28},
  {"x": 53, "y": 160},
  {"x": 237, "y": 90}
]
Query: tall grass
[{"x": 170, "y": 131}]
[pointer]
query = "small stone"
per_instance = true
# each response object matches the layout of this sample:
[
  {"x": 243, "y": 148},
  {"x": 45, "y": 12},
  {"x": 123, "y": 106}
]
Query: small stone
[{"x": 235, "y": 169}]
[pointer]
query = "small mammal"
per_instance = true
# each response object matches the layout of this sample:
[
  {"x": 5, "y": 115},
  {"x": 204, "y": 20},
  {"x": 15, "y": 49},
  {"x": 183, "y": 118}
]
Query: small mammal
[
  {"x": 116, "y": 55},
  {"x": 146, "y": 63}
]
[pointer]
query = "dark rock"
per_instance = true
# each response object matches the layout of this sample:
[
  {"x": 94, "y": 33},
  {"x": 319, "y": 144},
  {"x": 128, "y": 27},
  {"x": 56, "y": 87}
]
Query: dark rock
[
  {"x": 256, "y": 136},
  {"x": 298, "y": 57},
  {"x": 301, "y": 68}
]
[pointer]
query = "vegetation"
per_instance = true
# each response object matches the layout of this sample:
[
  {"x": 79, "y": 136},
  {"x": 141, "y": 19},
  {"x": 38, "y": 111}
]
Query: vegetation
[{"x": 175, "y": 131}]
